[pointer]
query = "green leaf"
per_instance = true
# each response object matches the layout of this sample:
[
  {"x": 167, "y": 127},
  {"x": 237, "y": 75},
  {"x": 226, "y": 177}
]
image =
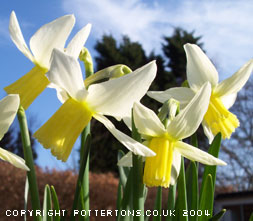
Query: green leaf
[
  {"x": 123, "y": 171},
  {"x": 219, "y": 215},
  {"x": 47, "y": 204},
  {"x": 127, "y": 200},
  {"x": 55, "y": 203},
  {"x": 171, "y": 201},
  {"x": 213, "y": 150},
  {"x": 181, "y": 202},
  {"x": 26, "y": 195},
  {"x": 83, "y": 164},
  {"x": 192, "y": 189},
  {"x": 158, "y": 204},
  {"x": 119, "y": 195},
  {"x": 206, "y": 199},
  {"x": 251, "y": 217}
]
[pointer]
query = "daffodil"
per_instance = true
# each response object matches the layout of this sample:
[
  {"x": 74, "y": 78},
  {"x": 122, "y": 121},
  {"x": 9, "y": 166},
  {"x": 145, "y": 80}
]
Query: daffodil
[
  {"x": 8, "y": 109},
  {"x": 165, "y": 141},
  {"x": 199, "y": 71},
  {"x": 49, "y": 36},
  {"x": 114, "y": 98}
]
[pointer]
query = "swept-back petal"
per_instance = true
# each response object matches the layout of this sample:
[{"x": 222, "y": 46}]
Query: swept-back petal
[
  {"x": 13, "y": 159},
  {"x": 116, "y": 97},
  {"x": 66, "y": 73},
  {"x": 207, "y": 131},
  {"x": 8, "y": 109},
  {"x": 175, "y": 169},
  {"x": 147, "y": 122},
  {"x": 229, "y": 100},
  {"x": 17, "y": 36},
  {"x": 50, "y": 36},
  {"x": 234, "y": 83},
  {"x": 199, "y": 68},
  {"x": 189, "y": 119},
  {"x": 196, "y": 154},
  {"x": 76, "y": 44},
  {"x": 127, "y": 160},
  {"x": 182, "y": 94},
  {"x": 134, "y": 146}
]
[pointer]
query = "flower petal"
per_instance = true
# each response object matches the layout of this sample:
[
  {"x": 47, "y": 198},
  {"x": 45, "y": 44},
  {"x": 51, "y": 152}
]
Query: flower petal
[
  {"x": 181, "y": 94},
  {"x": 207, "y": 131},
  {"x": 199, "y": 68},
  {"x": 196, "y": 154},
  {"x": 50, "y": 36},
  {"x": 134, "y": 146},
  {"x": 236, "y": 81},
  {"x": 13, "y": 159},
  {"x": 116, "y": 97},
  {"x": 189, "y": 119},
  {"x": 17, "y": 36},
  {"x": 8, "y": 109},
  {"x": 176, "y": 165},
  {"x": 229, "y": 100},
  {"x": 147, "y": 122},
  {"x": 66, "y": 73},
  {"x": 126, "y": 160},
  {"x": 78, "y": 41}
]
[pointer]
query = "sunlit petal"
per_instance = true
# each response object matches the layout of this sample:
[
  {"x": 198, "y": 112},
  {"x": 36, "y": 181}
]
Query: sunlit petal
[
  {"x": 176, "y": 165},
  {"x": 199, "y": 68},
  {"x": 134, "y": 146},
  {"x": 195, "y": 154},
  {"x": 116, "y": 97},
  {"x": 228, "y": 100},
  {"x": 181, "y": 94},
  {"x": 189, "y": 119},
  {"x": 147, "y": 121},
  {"x": 17, "y": 37},
  {"x": 235, "y": 83},
  {"x": 50, "y": 36}
]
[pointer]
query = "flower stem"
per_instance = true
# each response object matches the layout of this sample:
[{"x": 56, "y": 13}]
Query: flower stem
[
  {"x": 29, "y": 160},
  {"x": 138, "y": 186}
]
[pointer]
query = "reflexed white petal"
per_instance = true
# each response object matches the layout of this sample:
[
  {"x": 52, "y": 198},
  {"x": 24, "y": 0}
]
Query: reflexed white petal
[
  {"x": 50, "y": 36},
  {"x": 234, "y": 83},
  {"x": 13, "y": 159},
  {"x": 78, "y": 41},
  {"x": 61, "y": 94},
  {"x": 181, "y": 94},
  {"x": 127, "y": 160},
  {"x": 195, "y": 154},
  {"x": 175, "y": 169},
  {"x": 8, "y": 109},
  {"x": 116, "y": 97},
  {"x": 147, "y": 122},
  {"x": 189, "y": 119},
  {"x": 65, "y": 72},
  {"x": 134, "y": 146},
  {"x": 207, "y": 131},
  {"x": 199, "y": 68},
  {"x": 17, "y": 36},
  {"x": 229, "y": 100}
]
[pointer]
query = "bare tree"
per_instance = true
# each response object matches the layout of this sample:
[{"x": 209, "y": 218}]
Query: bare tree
[{"x": 238, "y": 151}]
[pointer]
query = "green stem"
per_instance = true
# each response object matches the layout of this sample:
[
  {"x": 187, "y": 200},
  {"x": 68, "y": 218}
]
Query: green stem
[
  {"x": 158, "y": 204},
  {"x": 29, "y": 160},
  {"x": 138, "y": 186}
]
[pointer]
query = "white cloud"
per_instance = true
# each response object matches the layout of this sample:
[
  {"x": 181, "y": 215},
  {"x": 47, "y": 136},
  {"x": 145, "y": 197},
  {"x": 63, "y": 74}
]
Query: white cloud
[{"x": 224, "y": 25}]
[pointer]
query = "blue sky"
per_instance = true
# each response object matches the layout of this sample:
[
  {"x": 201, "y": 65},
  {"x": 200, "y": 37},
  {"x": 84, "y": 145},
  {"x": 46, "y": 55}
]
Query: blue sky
[{"x": 226, "y": 27}]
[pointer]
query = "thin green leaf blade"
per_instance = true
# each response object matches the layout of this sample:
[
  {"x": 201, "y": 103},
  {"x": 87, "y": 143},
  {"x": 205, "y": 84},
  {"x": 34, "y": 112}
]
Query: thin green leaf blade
[
  {"x": 47, "y": 204},
  {"x": 171, "y": 202},
  {"x": 192, "y": 189},
  {"x": 123, "y": 171},
  {"x": 206, "y": 200},
  {"x": 55, "y": 203},
  {"x": 181, "y": 201},
  {"x": 158, "y": 204},
  {"x": 219, "y": 215}
]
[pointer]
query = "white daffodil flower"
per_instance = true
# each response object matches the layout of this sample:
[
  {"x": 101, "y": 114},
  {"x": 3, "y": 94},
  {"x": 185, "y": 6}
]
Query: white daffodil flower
[
  {"x": 8, "y": 109},
  {"x": 199, "y": 71},
  {"x": 163, "y": 169},
  {"x": 114, "y": 98},
  {"x": 49, "y": 36}
]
